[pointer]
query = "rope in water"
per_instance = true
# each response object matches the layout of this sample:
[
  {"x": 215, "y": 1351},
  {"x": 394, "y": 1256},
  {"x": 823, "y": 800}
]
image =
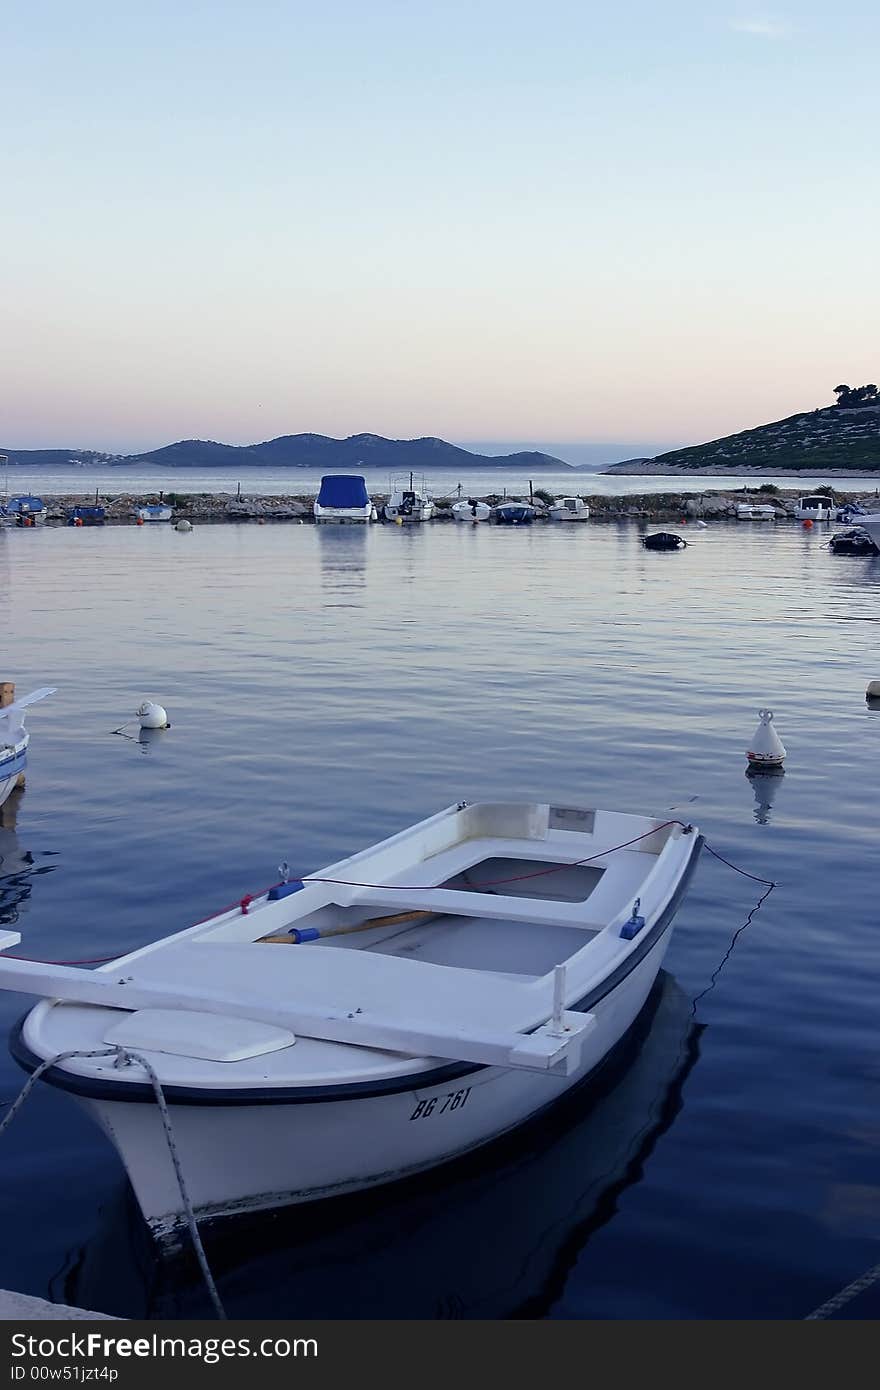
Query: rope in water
[
  {"x": 124, "y": 1058},
  {"x": 846, "y": 1295}
]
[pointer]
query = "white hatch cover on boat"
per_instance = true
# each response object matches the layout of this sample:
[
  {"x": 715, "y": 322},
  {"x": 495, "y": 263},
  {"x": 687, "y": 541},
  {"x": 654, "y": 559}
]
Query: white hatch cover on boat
[{"x": 188, "y": 1033}]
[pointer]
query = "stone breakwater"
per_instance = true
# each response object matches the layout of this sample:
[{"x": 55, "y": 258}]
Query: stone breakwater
[{"x": 214, "y": 507}]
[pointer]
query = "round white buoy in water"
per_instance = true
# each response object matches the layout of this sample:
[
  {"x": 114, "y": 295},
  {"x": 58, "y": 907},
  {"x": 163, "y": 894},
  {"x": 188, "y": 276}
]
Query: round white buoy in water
[
  {"x": 766, "y": 749},
  {"x": 702, "y": 525},
  {"x": 183, "y": 525},
  {"x": 152, "y": 716},
  {"x": 873, "y": 691}
]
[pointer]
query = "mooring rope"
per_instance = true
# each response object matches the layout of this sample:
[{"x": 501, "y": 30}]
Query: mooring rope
[
  {"x": 123, "y": 1058},
  {"x": 846, "y": 1295}
]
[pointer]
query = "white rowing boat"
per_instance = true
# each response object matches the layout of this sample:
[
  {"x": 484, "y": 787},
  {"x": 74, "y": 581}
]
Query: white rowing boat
[{"x": 398, "y": 1008}]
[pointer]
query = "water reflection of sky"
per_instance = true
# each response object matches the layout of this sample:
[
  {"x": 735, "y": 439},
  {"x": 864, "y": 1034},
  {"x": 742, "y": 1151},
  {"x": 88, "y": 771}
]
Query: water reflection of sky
[{"x": 325, "y": 689}]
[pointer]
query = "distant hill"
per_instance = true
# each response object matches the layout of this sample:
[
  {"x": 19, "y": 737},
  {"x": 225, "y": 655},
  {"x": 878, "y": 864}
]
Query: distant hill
[
  {"x": 834, "y": 439},
  {"x": 298, "y": 451}
]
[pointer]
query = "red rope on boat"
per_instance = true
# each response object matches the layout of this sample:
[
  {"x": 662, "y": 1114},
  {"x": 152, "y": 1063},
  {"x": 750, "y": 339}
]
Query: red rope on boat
[{"x": 243, "y": 904}]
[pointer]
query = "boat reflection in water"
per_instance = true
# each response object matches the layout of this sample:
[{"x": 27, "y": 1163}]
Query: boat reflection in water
[
  {"x": 17, "y": 869},
  {"x": 492, "y": 1235}
]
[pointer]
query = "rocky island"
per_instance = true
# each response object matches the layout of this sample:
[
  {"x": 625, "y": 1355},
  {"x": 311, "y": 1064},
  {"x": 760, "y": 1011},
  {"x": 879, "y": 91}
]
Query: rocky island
[{"x": 839, "y": 438}]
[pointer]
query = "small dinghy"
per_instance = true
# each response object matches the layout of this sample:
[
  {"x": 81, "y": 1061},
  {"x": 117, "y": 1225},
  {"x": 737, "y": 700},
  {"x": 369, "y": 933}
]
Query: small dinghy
[
  {"x": 14, "y": 739},
  {"x": 854, "y": 541},
  {"x": 664, "y": 540},
  {"x": 471, "y": 510},
  {"x": 155, "y": 511},
  {"x": 371, "y": 1020},
  {"x": 86, "y": 516},
  {"x": 514, "y": 514}
]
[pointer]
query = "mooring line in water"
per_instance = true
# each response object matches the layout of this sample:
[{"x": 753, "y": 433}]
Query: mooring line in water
[
  {"x": 733, "y": 940},
  {"x": 124, "y": 1058},
  {"x": 858, "y": 1286},
  {"x": 745, "y": 873}
]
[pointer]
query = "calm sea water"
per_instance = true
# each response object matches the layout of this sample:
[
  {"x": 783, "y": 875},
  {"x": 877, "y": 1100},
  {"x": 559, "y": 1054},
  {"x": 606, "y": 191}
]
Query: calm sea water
[
  {"x": 329, "y": 686},
  {"x": 441, "y": 482}
]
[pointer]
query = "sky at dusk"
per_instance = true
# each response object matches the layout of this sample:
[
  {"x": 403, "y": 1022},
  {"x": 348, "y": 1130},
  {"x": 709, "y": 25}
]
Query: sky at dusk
[{"x": 478, "y": 219}]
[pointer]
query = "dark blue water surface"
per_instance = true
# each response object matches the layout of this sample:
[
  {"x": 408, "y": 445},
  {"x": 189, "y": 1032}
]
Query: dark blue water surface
[{"x": 327, "y": 687}]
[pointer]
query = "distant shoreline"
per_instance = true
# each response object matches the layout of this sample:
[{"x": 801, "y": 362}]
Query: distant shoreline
[{"x": 653, "y": 470}]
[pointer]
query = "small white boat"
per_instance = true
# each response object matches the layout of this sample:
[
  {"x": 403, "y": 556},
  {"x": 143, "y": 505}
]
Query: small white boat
[
  {"x": 372, "y": 1020},
  {"x": 408, "y": 502},
  {"x": 816, "y": 507},
  {"x": 569, "y": 509},
  {"x": 14, "y": 739},
  {"x": 155, "y": 511},
  {"x": 343, "y": 499},
  {"x": 471, "y": 510},
  {"x": 755, "y": 511}
]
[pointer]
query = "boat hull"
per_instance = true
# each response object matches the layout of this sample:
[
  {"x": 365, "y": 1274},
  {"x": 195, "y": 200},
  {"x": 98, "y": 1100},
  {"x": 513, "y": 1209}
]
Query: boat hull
[
  {"x": 237, "y": 1157},
  {"x": 343, "y": 516},
  {"x": 12, "y": 764}
]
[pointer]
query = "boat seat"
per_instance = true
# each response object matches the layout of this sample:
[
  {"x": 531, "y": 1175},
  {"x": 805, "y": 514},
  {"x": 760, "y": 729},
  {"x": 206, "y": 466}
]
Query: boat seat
[{"x": 541, "y": 911}]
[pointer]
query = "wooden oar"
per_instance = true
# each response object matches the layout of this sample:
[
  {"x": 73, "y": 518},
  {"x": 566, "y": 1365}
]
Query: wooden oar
[{"x": 418, "y": 915}]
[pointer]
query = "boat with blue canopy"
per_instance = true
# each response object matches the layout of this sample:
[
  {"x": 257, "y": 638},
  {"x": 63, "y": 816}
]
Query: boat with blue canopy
[{"x": 342, "y": 498}]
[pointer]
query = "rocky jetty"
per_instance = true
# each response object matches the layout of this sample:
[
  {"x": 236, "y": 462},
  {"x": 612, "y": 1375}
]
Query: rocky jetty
[{"x": 202, "y": 508}]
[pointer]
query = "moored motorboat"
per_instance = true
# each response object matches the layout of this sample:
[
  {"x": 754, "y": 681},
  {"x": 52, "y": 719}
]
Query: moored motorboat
[
  {"x": 397, "y": 1009},
  {"x": 569, "y": 509},
  {"x": 343, "y": 499},
  {"x": 14, "y": 740},
  {"x": 155, "y": 511},
  {"x": 409, "y": 502},
  {"x": 755, "y": 511},
  {"x": 815, "y": 507},
  {"x": 27, "y": 510}
]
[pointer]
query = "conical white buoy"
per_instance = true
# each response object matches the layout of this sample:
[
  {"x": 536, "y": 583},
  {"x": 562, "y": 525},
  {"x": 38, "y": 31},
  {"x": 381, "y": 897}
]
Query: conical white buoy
[
  {"x": 152, "y": 716},
  {"x": 766, "y": 748}
]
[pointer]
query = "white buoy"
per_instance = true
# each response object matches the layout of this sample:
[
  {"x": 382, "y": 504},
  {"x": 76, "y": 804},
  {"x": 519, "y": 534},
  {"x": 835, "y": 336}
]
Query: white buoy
[
  {"x": 152, "y": 716},
  {"x": 873, "y": 691},
  {"x": 766, "y": 748},
  {"x": 183, "y": 525}
]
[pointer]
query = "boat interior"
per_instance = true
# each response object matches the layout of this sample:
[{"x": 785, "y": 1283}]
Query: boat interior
[{"x": 511, "y": 904}]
